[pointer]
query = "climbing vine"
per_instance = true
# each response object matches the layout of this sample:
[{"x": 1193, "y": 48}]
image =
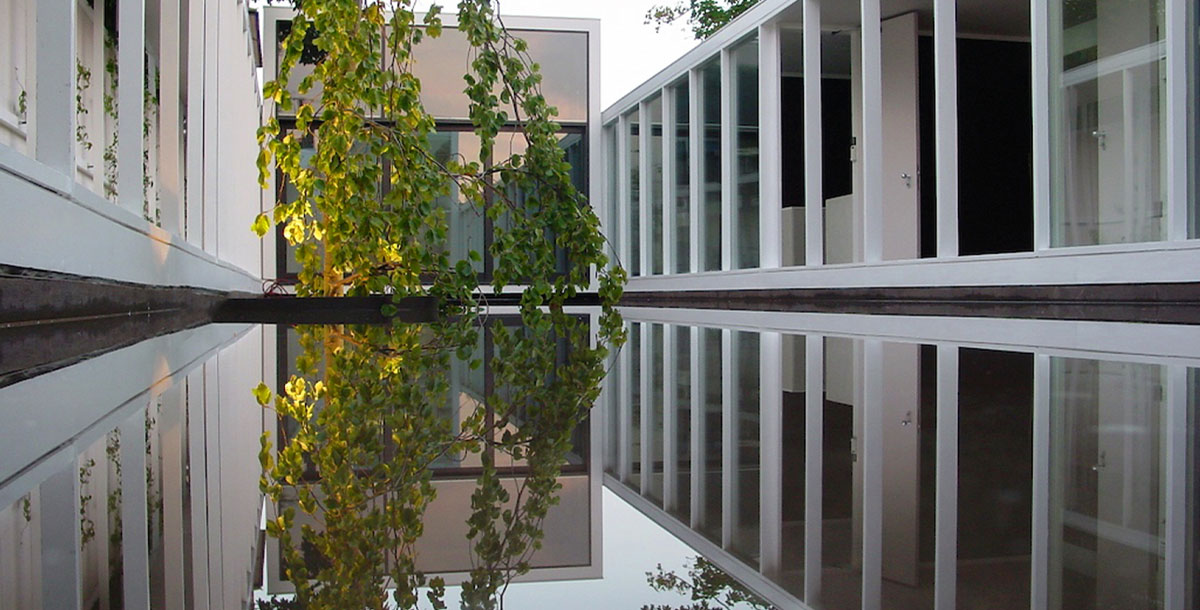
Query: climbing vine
[{"x": 370, "y": 410}]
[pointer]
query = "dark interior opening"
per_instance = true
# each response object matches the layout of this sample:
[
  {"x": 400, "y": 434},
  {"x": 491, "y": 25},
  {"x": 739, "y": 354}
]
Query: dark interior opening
[{"x": 835, "y": 139}]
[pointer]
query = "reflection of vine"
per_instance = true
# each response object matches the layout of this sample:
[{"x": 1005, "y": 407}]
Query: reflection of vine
[
  {"x": 113, "y": 450},
  {"x": 154, "y": 496},
  {"x": 87, "y": 527},
  {"x": 25, "y": 507}
]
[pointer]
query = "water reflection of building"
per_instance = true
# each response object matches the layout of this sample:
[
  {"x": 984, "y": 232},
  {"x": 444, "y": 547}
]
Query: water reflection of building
[{"x": 1005, "y": 463}]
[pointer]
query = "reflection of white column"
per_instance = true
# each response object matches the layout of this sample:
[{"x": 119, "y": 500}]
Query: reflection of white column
[
  {"x": 198, "y": 481},
  {"x": 1176, "y": 483},
  {"x": 770, "y": 435},
  {"x": 699, "y": 438},
  {"x": 945, "y": 59},
  {"x": 728, "y": 158},
  {"x": 871, "y": 450},
  {"x": 945, "y": 555},
  {"x": 646, "y": 428},
  {"x": 728, "y": 439},
  {"x": 695, "y": 151},
  {"x": 134, "y": 547},
  {"x": 670, "y": 413},
  {"x": 770, "y": 148},
  {"x": 871, "y": 147},
  {"x": 172, "y": 490},
  {"x": 1040, "y": 555},
  {"x": 814, "y": 197},
  {"x": 61, "y": 570},
  {"x": 814, "y": 429},
  {"x": 625, "y": 409},
  {"x": 668, "y": 180}
]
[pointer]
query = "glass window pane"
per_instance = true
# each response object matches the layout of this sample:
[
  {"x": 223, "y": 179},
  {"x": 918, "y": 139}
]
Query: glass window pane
[
  {"x": 632, "y": 183},
  {"x": 681, "y": 215},
  {"x": 656, "y": 185},
  {"x": 746, "y": 455},
  {"x": 464, "y": 221},
  {"x": 709, "y": 494},
  {"x": 710, "y": 167},
  {"x": 654, "y": 409},
  {"x": 1107, "y": 122},
  {"x": 745, "y": 167},
  {"x": 683, "y": 423},
  {"x": 634, "y": 442}
]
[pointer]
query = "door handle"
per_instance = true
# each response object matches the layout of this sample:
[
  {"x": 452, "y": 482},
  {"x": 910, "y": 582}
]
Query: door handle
[{"x": 907, "y": 178}]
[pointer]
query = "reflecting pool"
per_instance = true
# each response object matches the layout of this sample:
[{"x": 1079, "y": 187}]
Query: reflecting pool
[{"x": 788, "y": 459}]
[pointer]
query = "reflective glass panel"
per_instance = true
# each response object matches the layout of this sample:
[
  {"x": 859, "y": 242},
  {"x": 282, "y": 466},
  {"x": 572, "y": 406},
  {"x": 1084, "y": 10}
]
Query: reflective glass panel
[{"x": 745, "y": 167}]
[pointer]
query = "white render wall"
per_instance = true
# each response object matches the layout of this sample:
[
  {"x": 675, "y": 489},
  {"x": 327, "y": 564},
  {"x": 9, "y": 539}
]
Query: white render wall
[{"x": 59, "y": 215}]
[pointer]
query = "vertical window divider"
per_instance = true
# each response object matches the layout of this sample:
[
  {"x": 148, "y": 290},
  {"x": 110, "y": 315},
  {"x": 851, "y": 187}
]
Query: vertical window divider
[
  {"x": 728, "y": 158},
  {"x": 646, "y": 337},
  {"x": 623, "y": 193},
  {"x": 695, "y": 150},
  {"x": 814, "y": 426},
  {"x": 670, "y": 423},
  {"x": 55, "y": 87},
  {"x": 946, "y": 493},
  {"x": 1039, "y": 564},
  {"x": 770, "y": 437},
  {"x": 1039, "y": 22},
  {"x": 770, "y": 161},
  {"x": 945, "y": 58},
  {"x": 871, "y": 149},
  {"x": 193, "y": 195},
  {"x": 872, "y": 473},
  {"x": 814, "y": 197},
  {"x": 698, "y": 458},
  {"x": 169, "y": 178},
  {"x": 131, "y": 59},
  {"x": 643, "y": 161},
  {"x": 135, "y": 548},
  {"x": 728, "y": 438},
  {"x": 1176, "y": 482},
  {"x": 668, "y": 179},
  {"x": 1177, "y": 25}
]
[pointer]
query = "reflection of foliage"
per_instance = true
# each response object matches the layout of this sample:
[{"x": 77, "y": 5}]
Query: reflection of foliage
[
  {"x": 87, "y": 527},
  {"x": 704, "y": 16},
  {"x": 364, "y": 421},
  {"x": 277, "y": 603},
  {"x": 706, "y": 585}
]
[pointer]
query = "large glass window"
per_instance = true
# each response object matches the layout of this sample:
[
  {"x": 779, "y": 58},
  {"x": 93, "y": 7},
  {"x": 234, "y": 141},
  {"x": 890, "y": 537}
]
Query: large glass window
[
  {"x": 464, "y": 221},
  {"x": 1108, "y": 117},
  {"x": 655, "y": 178},
  {"x": 681, "y": 214},
  {"x": 710, "y": 167},
  {"x": 632, "y": 184},
  {"x": 745, "y": 162}
]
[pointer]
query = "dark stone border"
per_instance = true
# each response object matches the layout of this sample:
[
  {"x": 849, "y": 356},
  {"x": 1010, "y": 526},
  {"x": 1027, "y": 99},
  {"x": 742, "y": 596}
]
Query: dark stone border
[{"x": 1164, "y": 303}]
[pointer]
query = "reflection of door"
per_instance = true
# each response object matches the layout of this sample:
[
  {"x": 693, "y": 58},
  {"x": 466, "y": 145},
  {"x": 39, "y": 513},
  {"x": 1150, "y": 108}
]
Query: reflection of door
[
  {"x": 901, "y": 462},
  {"x": 901, "y": 204}
]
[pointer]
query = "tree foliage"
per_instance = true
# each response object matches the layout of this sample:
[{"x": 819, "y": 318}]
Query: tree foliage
[
  {"x": 704, "y": 16},
  {"x": 366, "y": 417}
]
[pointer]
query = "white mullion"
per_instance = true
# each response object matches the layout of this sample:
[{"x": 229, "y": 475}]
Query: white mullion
[
  {"x": 695, "y": 180},
  {"x": 169, "y": 162},
  {"x": 698, "y": 437},
  {"x": 62, "y": 570},
  {"x": 728, "y": 158},
  {"x": 872, "y": 474},
  {"x": 1177, "y": 119},
  {"x": 945, "y": 60},
  {"x": 814, "y": 426},
  {"x": 211, "y": 92},
  {"x": 814, "y": 197},
  {"x": 871, "y": 148},
  {"x": 131, "y": 82},
  {"x": 770, "y": 148},
  {"x": 53, "y": 99},
  {"x": 644, "y": 405},
  {"x": 946, "y": 503},
  {"x": 624, "y": 248},
  {"x": 670, "y": 423},
  {"x": 1176, "y": 483},
  {"x": 668, "y": 179},
  {"x": 770, "y": 435},
  {"x": 1040, "y": 528},
  {"x": 193, "y": 196},
  {"x": 728, "y": 438},
  {"x": 644, "y": 181},
  {"x": 134, "y": 545},
  {"x": 1039, "y": 23}
]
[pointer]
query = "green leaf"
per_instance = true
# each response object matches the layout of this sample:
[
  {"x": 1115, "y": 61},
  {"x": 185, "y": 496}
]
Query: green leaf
[
  {"x": 261, "y": 225},
  {"x": 262, "y": 394}
]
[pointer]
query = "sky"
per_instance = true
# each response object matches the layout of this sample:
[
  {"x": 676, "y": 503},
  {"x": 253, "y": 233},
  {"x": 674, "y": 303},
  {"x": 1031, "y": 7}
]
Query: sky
[{"x": 630, "y": 50}]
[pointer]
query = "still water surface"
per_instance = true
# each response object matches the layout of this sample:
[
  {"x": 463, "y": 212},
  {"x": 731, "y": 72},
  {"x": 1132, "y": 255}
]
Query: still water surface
[{"x": 834, "y": 461}]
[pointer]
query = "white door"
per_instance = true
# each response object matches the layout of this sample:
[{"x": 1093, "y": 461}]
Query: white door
[{"x": 901, "y": 129}]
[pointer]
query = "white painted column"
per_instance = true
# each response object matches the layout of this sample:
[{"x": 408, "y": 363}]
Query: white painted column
[
  {"x": 1040, "y": 555},
  {"x": 770, "y": 148},
  {"x": 624, "y": 249},
  {"x": 670, "y": 417},
  {"x": 1039, "y": 24},
  {"x": 1176, "y": 478},
  {"x": 946, "y": 504},
  {"x": 169, "y": 179},
  {"x": 193, "y": 197},
  {"x": 668, "y": 179},
  {"x": 644, "y": 182},
  {"x": 872, "y": 477},
  {"x": 646, "y": 426},
  {"x": 131, "y": 110},
  {"x": 695, "y": 180},
  {"x": 172, "y": 486},
  {"x": 870, "y": 150},
  {"x": 698, "y": 437},
  {"x": 814, "y": 196},
  {"x": 134, "y": 545},
  {"x": 54, "y": 97},
  {"x": 770, "y": 437},
  {"x": 1177, "y": 134},
  {"x": 814, "y": 427},
  {"x": 728, "y": 439},
  {"x": 211, "y": 92},
  {"x": 945, "y": 100},
  {"x": 61, "y": 570},
  {"x": 728, "y": 158}
]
